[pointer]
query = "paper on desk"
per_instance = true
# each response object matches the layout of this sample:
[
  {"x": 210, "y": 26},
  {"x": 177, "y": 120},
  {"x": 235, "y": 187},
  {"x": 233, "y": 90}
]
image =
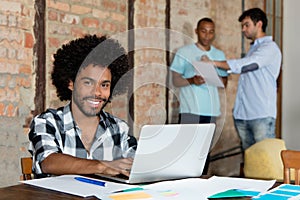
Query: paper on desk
[
  {"x": 67, "y": 184},
  {"x": 197, "y": 188},
  {"x": 190, "y": 188},
  {"x": 242, "y": 183},
  {"x": 208, "y": 72}
]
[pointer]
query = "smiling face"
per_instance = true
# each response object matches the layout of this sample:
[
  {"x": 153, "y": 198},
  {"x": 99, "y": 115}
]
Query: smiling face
[{"x": 91, "y": 90}]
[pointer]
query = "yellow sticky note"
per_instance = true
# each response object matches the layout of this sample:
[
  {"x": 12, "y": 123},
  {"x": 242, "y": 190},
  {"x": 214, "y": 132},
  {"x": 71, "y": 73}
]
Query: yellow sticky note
[{"x": 130, "y": 196}]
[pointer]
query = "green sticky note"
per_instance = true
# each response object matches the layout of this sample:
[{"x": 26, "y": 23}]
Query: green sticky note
[{"x": 234, "y": 193}]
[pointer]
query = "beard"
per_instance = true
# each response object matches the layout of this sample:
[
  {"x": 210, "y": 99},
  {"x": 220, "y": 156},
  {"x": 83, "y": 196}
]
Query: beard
[{"x": 90, "y": 106}]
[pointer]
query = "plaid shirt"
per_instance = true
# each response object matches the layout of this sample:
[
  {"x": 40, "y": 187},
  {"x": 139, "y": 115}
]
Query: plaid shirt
[{"x": 55, "y": 131}]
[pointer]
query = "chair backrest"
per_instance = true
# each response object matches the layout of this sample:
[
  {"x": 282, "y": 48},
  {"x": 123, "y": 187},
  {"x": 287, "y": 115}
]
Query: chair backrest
[
  {"x": 262, "y": 160},
  {"x": 291, "y": 160},
  {"x": 26, "y": 166}
]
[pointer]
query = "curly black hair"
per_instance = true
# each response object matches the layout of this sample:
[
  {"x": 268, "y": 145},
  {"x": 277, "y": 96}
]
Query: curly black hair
[{"x": 91, "y": 49}]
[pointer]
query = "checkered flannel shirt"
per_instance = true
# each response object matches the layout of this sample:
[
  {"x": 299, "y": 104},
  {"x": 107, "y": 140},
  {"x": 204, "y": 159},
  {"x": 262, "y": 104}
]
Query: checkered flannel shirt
[{"x": 55, "y": 131}]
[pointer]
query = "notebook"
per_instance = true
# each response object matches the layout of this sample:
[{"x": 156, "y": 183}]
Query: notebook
[{"x": 169, "y": 151}]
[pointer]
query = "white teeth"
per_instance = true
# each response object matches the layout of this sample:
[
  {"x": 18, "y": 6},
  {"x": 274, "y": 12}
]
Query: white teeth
[{"x": 93, "y": 102}]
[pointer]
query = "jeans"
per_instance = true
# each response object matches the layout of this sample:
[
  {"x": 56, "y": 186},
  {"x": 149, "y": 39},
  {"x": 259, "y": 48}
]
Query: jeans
[
  {"x": 187, "y": 118},
  {"x": 252, "y": 131}
]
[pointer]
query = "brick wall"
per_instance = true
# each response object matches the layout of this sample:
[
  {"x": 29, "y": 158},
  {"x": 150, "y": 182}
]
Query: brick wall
[
  {"x": 16, "y": 91},
  {"x": 67, "y": 19},
  {"x": 150, "y": 63}
]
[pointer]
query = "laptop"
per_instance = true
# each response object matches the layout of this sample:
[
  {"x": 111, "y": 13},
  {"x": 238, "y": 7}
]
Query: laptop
[{"x": 169, "y": 151}]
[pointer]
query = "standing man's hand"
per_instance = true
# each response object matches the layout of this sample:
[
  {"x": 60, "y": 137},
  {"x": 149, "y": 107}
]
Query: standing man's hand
[{"x": 197, "y": 80}]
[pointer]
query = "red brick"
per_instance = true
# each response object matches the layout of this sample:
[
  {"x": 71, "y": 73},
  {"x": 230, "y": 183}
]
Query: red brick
[
  {"x": 142, "y": 20},
  {"x": 101, "y": 14},
  {"x": 123, "y": 8},
  {"x": 143, "y": 1},
  {"x": 2, "y": 109},
  {"x": 11, "y": 110},
  {"x": 25, "y": 69},
  {"x": 78, "y": 32},
  {"x": 183, "y": 12},
  {"x": 80, "y": 9},
  {"x": 90, "y": 22},
  {"x": 58, "y": 5},
  {"x": 109, "y": 5},
  {"x": 52, "y": 15},
  {"x": 118, "y": 17},
  {"x": 28, "y": 40},
  {"x": 54, "y": 42},
  {"x": 24, "y": 82},
  {"x": 109, "y": 26}
]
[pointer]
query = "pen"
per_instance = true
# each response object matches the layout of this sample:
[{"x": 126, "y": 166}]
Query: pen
[
  {"x": 86, "y": 180},
  {"x": 129, "y": 190}
]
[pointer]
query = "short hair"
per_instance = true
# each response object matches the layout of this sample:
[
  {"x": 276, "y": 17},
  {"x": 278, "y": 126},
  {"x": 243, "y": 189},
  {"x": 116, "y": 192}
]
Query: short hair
[
  {"x": 81, "y": 52},
  {"x": 256, "y": 15},
  {"x": 205, "y": 19}
]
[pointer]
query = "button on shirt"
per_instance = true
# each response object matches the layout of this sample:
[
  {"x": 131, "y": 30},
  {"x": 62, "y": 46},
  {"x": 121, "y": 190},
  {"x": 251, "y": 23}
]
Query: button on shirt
[
  {"x": 257, "y": 90},
  {"x": 55, "y": 131}
]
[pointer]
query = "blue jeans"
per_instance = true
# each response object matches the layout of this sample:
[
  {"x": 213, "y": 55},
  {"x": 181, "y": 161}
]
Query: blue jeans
[{"x": 252, "y": 131}]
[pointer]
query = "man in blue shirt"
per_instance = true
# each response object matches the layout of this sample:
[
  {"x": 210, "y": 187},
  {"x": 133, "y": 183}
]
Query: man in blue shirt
[
  {"x": 199, "y": 102},
  {"x": 255, "y": 106}
]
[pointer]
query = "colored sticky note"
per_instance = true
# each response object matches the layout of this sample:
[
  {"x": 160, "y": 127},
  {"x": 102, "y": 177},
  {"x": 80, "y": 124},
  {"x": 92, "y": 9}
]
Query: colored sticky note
[
  {"x": 130, "y": 196},
  {"x": 234, "y": 193}
]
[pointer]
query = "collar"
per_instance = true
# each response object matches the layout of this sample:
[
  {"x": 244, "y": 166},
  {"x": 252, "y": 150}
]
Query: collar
[
  {"x": 69, "y": 122},
  {"x": 262, "y": 40}
]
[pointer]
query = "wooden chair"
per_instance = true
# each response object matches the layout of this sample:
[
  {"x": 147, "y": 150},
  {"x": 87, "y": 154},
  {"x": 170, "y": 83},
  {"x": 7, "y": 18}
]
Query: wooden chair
[
  {"x": 291, "y": 160},
  {"x": 26, "y": 166}
]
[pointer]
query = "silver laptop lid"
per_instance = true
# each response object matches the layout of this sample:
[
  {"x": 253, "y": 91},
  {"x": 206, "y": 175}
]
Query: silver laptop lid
[{"x": 171, "y": 151}]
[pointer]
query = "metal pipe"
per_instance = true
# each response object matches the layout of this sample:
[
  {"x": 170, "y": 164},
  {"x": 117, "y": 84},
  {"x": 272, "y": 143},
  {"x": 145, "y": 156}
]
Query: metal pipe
[{"x": 242, "y": 39}]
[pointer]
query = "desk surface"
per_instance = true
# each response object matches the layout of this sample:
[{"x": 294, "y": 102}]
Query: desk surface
[{"x": 24, "y": 191}]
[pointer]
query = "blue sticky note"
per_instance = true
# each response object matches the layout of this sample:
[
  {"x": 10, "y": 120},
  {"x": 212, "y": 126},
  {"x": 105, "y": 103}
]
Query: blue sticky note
[
  {"x": 286, "y": 192},
  {"x": 271, "y": 196},
  {"x": 290, "y": 187}
]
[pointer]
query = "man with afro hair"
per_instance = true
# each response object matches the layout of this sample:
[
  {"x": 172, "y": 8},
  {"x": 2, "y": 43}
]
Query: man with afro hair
[{"x": 80, "y": 137}]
